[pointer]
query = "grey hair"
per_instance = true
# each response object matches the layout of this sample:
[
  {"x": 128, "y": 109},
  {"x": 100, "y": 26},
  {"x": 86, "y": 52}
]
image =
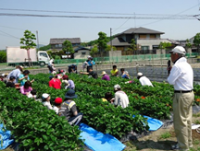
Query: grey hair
[{"x": 181, "y": 55}]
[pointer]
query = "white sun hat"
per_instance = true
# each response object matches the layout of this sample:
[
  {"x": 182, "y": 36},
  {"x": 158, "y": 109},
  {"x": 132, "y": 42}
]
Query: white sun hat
[{"x": 179, "y": 50}]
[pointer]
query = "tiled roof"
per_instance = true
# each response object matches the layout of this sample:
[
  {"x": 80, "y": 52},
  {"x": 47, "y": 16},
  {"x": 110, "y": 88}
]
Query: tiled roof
[
  {"x": 61, "y": 40},
  {"x": 140, "y": 30}
]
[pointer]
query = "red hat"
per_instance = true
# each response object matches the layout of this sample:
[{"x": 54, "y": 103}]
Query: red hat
[
  {"x": 58, "y": 100},
  {"x": 65, "y": 77}
]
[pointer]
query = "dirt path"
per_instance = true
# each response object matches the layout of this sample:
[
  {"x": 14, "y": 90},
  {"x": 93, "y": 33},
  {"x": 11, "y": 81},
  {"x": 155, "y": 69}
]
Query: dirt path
[{"x": 163, "y": 139}]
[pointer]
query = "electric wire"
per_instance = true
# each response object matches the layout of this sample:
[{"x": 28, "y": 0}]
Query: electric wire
[
  {"x": 97, "y": 17},
  {"x": 50, "y": 11}
]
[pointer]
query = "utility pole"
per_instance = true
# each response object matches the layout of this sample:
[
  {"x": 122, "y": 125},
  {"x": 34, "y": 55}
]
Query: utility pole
[
  {"x": 111, "y": 44},
  {"x": 37, "y": 40}
]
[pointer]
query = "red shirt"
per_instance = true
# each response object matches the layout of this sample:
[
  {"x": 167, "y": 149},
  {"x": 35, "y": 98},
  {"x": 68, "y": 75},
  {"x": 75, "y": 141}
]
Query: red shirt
[{"x": 55, "y": 83}]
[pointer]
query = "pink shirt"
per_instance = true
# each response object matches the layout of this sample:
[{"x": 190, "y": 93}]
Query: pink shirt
[{"x": 24, "y": 91}]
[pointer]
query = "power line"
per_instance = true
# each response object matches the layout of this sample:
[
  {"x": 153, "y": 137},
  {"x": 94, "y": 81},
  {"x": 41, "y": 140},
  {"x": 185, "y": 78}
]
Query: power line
[
  {"x": 9, "y": 34},
  {"x": 50, "y": 11},
  {"x": 98, "y": 17},
  {"x": 171, "y": 15},
  {"x": 11, "y": 27}
]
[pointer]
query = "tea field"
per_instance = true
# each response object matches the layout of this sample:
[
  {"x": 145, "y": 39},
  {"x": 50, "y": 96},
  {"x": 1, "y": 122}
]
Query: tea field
[{"x": 37, "y": 128}]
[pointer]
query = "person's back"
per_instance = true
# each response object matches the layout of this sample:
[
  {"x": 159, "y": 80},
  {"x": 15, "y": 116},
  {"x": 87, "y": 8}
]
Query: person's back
[
  {"x": 55, "y": 83},
  {"x": 67, "y": 109},
  {"x": 145, "y": 81},
  {"x": 10, "y": 84},
  {"x": 71, "y": 84},
  {"x": 93, "y": 74},
  {"x": 121, "y": 99},
  {"x": 106, "y": 77}
]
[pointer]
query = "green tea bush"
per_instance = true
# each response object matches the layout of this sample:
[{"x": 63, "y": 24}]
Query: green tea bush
[
  {"x": 100, "y": 115},
  {"x": 34, "y": 126}
]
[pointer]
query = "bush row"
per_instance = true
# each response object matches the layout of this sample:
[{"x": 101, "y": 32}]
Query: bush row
[
  {"x": 102, "y": 116},
  {"x": 34, "y": 126}
]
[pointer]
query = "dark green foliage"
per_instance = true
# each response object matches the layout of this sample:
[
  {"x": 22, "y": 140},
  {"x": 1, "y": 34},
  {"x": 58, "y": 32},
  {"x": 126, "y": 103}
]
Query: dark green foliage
[
  {"x": 3, "y": 57},
  {"x": 100, "y": 115},
  {"x": 34, "y": 126},
  {"x": 47, "y": 47}
]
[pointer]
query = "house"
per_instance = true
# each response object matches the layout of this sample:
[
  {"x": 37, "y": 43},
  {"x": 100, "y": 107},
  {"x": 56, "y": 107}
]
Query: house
[
  {"x": 56, "y": 43},
  {"x": 81, "y": 53},
  {"x": 147, "y": 40}
]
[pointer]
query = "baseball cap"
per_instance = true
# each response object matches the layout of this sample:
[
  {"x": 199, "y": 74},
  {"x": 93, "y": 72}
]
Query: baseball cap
[
  {"x": 3, "y": 74},
  {"x": 58, "y": 100},
  {"x": 89, "y": 57},
  {"x": 140, "y": 74},
  {"x": 45, "y": 96},
  {"x": 179, "y": 50},
  {"x": 117, "y": 86}
]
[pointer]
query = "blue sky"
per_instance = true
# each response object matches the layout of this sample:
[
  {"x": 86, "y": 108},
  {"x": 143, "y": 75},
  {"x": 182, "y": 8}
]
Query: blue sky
[{"x": 87, "y": 29}]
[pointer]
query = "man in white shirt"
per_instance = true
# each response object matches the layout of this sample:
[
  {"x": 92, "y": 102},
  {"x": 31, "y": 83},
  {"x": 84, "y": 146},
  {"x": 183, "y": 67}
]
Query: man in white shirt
[
  {"x": 181, "y": 77},
  {"x": 121, "y": 99},
  {"x": 144, "y": 80}
]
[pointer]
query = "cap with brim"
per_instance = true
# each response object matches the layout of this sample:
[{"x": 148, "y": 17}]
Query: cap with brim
[
  {"x": 179, "y": 50},
  {"x": 117, "y": 86},
  {"x": 3, "y": 74},
  {"x": 45, "y": 96},
  {"x": 140, "y": 74},
  {"x": 89, "y": 57},
  {"x": 70, "y": 94},
  {"x": 103, "y": 72}
]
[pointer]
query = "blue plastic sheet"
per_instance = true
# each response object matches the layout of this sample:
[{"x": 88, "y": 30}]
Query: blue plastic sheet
[
  {"x": 98, "y": 141},
  {"x": 154, "y": 124},
  {"x": 5, "y": 136}
]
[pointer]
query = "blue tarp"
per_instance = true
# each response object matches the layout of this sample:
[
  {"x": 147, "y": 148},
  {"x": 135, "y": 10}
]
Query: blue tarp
[
  {"x": 5, "y": 136},
  {"x": 98, "y": 141},
  {"x": 153, "y": 123}
]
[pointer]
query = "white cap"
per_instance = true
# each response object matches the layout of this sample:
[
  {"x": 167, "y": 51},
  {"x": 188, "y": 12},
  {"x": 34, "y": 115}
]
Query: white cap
[
  {"x": 140, "y": 74},
  {"x": 117, "y": 86},
  {"x": 89, "y": 57},
  {"x": 45, "y": 96},
  {"x": 126, "y": 72},
  {"x": 179, "y": 50},
  {"x": 103, "y": 72},
  {"x": 3, "y": 74}
]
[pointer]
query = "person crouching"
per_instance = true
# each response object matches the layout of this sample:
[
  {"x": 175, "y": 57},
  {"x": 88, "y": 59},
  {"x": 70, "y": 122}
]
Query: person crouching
[{"x": 69, "y": 109}]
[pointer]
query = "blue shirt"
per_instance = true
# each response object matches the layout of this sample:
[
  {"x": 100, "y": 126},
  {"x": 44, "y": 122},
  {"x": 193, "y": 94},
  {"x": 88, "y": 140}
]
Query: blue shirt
[
  {"x": 125, "y": 76},
  {"x": 90, "y": 63},
  {"x": 22, "y": 82}
]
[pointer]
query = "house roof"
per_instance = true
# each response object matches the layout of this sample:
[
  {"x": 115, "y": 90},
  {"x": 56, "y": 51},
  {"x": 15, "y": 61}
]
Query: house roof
[
  {"x": 140, "y": 30},
  {"x": 61, "y": 40},
  {"x": 81, "y": 48},
  {"x": 119, "y": 42}
]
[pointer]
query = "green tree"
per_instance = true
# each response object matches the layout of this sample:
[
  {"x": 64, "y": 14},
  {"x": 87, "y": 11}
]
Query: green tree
[
  {"x": 108, "y": 48},
  {"x": 188, "y": 44},
  {"x": 84, "y": 44},
  {"x": 102, "y": 42},
  {"x": 94, "y": 50},
  {"x": 67, "y": 47},
  {"x": 164, "y": 45},
  {"x": 47, "y": 47},
  {"x": 197, "y": 41},
  {"x": 28, "y": 42},
  {"x": 133, "y": 46},
  {"x": 3, "y": 56}
]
